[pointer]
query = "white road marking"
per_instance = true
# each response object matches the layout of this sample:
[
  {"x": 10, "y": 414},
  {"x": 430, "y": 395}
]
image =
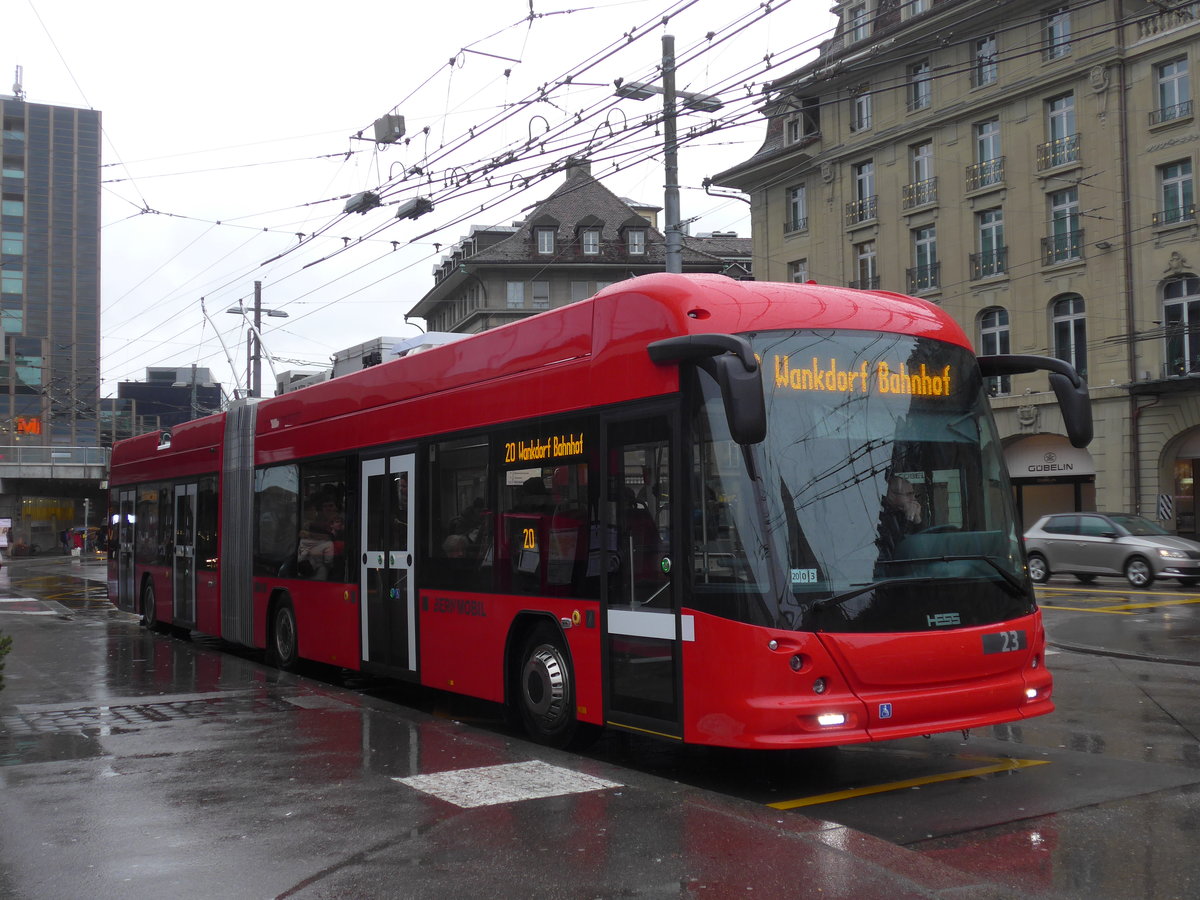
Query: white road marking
[{"x": 510, "y": 783}]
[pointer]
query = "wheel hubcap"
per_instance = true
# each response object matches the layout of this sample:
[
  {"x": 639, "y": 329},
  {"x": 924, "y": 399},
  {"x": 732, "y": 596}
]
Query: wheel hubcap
[{"x": 545, "y": 685}]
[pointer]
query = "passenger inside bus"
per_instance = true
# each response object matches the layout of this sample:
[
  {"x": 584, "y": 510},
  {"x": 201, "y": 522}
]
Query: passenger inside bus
[{"x": 900, "y": 515}]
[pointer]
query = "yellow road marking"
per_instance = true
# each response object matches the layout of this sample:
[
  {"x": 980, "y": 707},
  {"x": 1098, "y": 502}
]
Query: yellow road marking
[
  {"x": 1007, "y": 765},
  {"x": 1110, "y": 610},
  {"x": 1152, "y": 603}
]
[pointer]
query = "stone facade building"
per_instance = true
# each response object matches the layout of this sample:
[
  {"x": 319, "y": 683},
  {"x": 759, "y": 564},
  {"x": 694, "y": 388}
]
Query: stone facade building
[{"x": 1030, "y": 168}]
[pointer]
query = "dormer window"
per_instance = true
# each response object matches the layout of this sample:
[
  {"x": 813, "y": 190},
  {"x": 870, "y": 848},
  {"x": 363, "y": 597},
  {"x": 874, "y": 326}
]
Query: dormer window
[
  {"x": 589, "y": 239},
  {"x": 635, "y": 241},
  {"x": 545, "y": 240}
]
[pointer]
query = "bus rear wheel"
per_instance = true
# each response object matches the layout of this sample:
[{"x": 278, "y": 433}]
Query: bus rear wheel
[
  {"x": 546, "y": 689},
  {"x": 284, "y": 645},
  {"x": 149, "y": 610}
]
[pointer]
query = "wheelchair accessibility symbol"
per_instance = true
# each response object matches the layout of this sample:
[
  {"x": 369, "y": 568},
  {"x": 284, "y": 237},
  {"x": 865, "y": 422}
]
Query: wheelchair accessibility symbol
[{"x": 885, "y": 710}]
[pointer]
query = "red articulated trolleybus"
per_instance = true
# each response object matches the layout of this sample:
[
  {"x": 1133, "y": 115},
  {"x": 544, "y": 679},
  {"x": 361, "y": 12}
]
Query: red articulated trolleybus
[{"x": 731, "y": 513}]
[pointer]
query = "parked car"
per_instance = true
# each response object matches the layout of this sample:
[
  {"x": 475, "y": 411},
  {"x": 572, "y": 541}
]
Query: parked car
[{"x": 1089, "y": 544}]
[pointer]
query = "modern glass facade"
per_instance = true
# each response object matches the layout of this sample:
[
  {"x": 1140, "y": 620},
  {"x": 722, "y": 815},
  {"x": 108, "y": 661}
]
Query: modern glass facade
[{"x": 50, "y": 260}]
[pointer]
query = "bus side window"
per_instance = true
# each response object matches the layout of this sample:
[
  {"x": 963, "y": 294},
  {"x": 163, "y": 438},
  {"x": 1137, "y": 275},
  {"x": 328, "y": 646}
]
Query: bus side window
[{"x": 461, "y": 524}]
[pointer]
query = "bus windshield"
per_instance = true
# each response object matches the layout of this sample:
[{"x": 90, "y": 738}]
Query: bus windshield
[{"x": 878, "y": 501}]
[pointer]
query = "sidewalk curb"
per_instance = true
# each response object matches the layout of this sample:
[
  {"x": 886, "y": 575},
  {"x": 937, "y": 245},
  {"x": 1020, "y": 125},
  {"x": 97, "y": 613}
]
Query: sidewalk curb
[{"x": 1121, "y": 654}]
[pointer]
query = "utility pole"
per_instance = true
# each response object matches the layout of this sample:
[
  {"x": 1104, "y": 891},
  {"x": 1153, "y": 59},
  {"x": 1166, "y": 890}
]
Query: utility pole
[
  {"x": 254, "y": 345},
  {"x": 671, "y": 159}
]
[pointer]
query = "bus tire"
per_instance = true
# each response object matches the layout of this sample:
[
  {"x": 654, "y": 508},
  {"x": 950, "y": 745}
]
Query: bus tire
[
  {"x": 149, "y": 609},
  {"x": 284, "y": 643},
  {"x": 546, "y": 689}
]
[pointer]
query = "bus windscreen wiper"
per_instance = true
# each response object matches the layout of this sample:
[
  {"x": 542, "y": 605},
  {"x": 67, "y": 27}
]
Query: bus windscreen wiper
[{"x": 1015, "y": 583}]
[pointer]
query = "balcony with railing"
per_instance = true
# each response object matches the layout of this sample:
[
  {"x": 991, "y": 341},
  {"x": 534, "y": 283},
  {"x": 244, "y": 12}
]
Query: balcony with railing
[
  {"x": 1061, "y": 152},
  {"x": 1177, "y": 215},
  {"x": 1064, "y": 247},
  {"x": 989, "y": 263},
  {"x": 919, "y": 193},
  {"x": 793, "y": 225},
  {"x": 923, "y": 278},
  {"x": 1167, "y": 114},
  {"x": 870, "y": 283},
  {"x": 859, "y": 211},
  {"x": 986, "y": 174}
]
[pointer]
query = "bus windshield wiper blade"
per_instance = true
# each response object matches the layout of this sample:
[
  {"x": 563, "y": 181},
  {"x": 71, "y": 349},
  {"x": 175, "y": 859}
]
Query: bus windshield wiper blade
[
  {"x": 1015, "y": 583},
  {"x": 839, "y": 599}
]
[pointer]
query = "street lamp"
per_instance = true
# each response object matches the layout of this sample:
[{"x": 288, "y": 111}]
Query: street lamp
[
  {"x": 640, "y": 90},
  {"x": 254, "y": 339}
]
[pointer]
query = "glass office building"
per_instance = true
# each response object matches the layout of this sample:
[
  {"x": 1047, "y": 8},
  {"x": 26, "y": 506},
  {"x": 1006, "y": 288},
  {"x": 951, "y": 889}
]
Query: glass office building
[{"x": 49, "y": 274}]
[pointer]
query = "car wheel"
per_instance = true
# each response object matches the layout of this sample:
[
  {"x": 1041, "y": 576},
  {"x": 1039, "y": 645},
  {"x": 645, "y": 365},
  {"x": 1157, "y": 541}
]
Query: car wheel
[
  {"x": 1139, "y": 573},
  {"x": 1039, "y": 570},
  {"x": 1085, "y": 579}
]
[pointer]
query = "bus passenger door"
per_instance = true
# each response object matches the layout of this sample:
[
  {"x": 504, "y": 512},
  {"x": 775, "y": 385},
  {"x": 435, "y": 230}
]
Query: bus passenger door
[
  {"x": 184, "y": 595},
  {"x": 125, "y": 522},
  {"x": 389, "y": 612},
  {"x": 642, "y": 613}
]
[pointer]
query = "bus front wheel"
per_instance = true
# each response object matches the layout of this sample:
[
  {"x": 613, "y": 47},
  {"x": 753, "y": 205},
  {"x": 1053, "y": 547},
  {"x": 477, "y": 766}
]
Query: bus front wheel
[
  {"x": 284, "y": 644},
  {"x": 546, "y": 689},
  {"x": 149, "y": 609}
]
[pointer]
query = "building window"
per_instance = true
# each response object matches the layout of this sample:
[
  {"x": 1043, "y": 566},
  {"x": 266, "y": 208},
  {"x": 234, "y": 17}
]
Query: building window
[
  {"x": 992, "y": 256},
  {"x": 12, "y": 243},
  {"x": 860, "y": 23},
  {"x": 541, "y": 295},
  {"x": 988, "y": 169},
  {"x": 862, "y": 208},
  {"x": 580, "y": 290},
  {"x": 1058, "y": 32},
  {"x": 860, "y": 110},
  {"x": 1181, "y": 316},
  {"x": 913, "y": 8},
  {"x": 797, "y": 209},
  {"x": 1174, "y": 91},
  {"x": 591, "y": 241},
  {"x": 12, "y": 167},
  {"x": 516, "y": 295},
  {"x": 866, "y": 275},
  {"x": 923, "y": 276},
  {"x": 792, "y": 131},
  {"x": 993, "y": 340},
  {"x": 12, "y": 281},
  {"x": 923, "y": 187},
  {"x": 1176, "y": 194},
  {"x": 983, "y": 67},
  {"x": 920, "y": 86},
  {"x": 635, "y": 241},
  {"x": 1070, "y": 332},
  {"x": 798, "y": 271},
  {"x": 1062, "y": 146},
  {"x": 1065, "y": 242},
  {"x": 545, "y": 240},
  {"x": 12, "y": 206}
]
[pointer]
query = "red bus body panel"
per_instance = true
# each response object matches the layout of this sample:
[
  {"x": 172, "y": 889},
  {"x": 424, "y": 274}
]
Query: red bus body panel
[{"x": 933, "y": 681}]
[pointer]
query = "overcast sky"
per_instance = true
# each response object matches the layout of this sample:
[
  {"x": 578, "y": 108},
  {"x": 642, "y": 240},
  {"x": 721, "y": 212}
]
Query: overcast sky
[{"x": 228, "y": 135}]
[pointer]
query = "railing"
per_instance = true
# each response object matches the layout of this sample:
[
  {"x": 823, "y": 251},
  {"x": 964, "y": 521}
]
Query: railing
[
  {"x": 923, "y": 278},
  {"x": 1170, "y": 113},
  {"x": 39, "y": 461},
  {"x": 988, "y": 173},
  {"x": 1175, "y": 216},
  {"x": 1063, "y": 247},
  {"x": 1058, "y": 152},
  {"x": 861, "y": 210},
  {"x": 795, "y": 225},
  {"x": 989, "y": 263},
  {"x": 919, "y": 193},
  {"x": 866, "y": 284}
]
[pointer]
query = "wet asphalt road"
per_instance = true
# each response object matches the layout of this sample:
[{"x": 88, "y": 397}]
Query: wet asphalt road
[{"x": 147, "y": 765}]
